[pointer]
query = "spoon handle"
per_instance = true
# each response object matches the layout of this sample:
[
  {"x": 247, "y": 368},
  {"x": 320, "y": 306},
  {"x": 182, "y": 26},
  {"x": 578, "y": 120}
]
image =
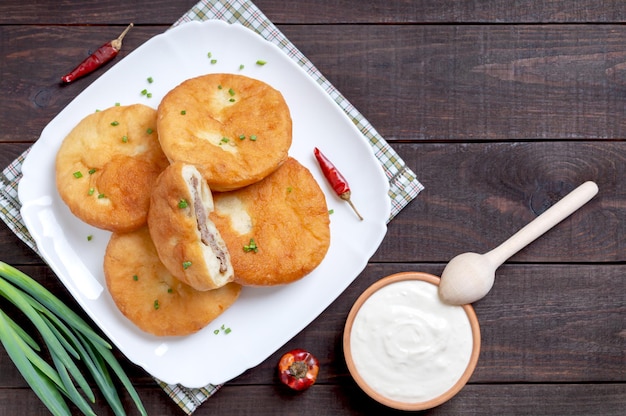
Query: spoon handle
[{"x": 555, "y": 214}]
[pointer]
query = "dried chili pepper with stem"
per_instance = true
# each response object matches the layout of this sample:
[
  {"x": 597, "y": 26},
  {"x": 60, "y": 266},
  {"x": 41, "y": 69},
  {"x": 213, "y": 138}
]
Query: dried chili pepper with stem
[
  {"x": 336, "y": 179},
  {"x": 101, "y": 56},
  {"x": 298, "y": 369}
]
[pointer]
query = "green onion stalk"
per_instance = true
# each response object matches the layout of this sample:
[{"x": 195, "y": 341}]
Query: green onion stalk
[{"x": 68, "y": 339}]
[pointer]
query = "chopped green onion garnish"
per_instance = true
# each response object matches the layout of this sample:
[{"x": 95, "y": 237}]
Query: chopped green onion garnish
[
  {"x": 251, "y": 246},
  {"x": 150, "y": 80},
  {"x": 289, "y": 189},
  {"x": 124, "y": 139},
  {"x": 156, "y": 304},
  {"x": 144, "y": 92},
  {"x": 241, "y": 67},
  {"x": 78, "y": 174},
  {"x": 115, "y": 123},
  {"x": 170, "y": 290},
  {"x": 135, "y": 277},
  {"x": 331, "y": 211},
  {"x": 183, "y": 112},
  {"x": 225, "y": 140},
  {"x": 117, "y": 104},
  {"x": 186, "y": 265},
  {"x": 227, "y": 331},
  {"x": 261, "y": 62},
  {"x": 231, "y": 92},
  {"x": 89, "y": 237},
  {"x": 100, "y": 196},
  {"x": 91, "y": 191},
  {"x": 219, "y": 87},
  {"x": 183, "y": 204},
  {"x": 209, "y": 54},
  {"x": 232, "y": 100},
  {"x": 242, "y": 137},
  {"x": 149, "y": 131},
  {"x": 217, "y": 331},
  {"x": 213, "y": 61},
  {"x": 149, "y": 95},
  {"x": 92, "y": 171},
  {"x": 253, "y": 137}
]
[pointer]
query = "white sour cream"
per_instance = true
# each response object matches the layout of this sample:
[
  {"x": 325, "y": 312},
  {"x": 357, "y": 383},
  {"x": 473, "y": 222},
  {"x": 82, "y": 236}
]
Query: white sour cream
[{"x": 408, "y": 345}]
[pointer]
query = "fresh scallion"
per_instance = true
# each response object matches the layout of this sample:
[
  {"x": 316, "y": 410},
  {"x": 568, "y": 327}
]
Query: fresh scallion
[{"x": 69, "y": 339}]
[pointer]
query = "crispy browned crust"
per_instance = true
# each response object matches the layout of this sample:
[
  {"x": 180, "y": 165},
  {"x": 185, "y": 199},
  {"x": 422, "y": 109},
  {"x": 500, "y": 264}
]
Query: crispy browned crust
[
  {"x": 116, "y": 174},
  {"x": 202, "y": 122},
  {"x": 174, "y": 231},
  {"x": 290, "y": 226},
  {"x": 149, "y": 296}
]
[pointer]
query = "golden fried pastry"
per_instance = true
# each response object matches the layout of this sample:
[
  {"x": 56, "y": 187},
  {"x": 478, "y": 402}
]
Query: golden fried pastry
[
  {"x": 149, "y": 296},
  {"x": 277, "y": 230},
  {"x": 187, "y": 242},
  {"x": 235, "y": 129},
  {"x": 107, "y": 165}
]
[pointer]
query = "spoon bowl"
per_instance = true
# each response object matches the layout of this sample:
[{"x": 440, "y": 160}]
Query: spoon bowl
[
  {"x": 455, "y": 290},
  {"x": 468, "y": 277}
]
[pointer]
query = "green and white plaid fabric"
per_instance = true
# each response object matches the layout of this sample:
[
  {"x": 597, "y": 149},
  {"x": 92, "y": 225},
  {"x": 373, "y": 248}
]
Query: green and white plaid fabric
[{"x": 404, "y": 186}]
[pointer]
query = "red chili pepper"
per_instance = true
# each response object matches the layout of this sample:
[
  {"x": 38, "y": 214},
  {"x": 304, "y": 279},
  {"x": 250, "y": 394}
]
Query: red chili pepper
[
  {"x": 335, "y": 178},
  {"x": 298, "y": 369},
  {"x": 101, "y": 56}
]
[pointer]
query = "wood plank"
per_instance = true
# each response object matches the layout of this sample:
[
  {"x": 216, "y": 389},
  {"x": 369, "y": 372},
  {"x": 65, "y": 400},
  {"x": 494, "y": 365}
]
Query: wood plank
[
  {"x": 347, "y": 399},
  {"x": 450, "y": 82},
  {"x": 498, "y": 187},
  {"x": 478, "y": 195},
  {"x": 111, "y": 12},
  {"x": 443, "y": 11},
  {"x": 540, "y": 323},
  {"x": 476, "y": 82},
  {"x": 326, "y": 11},
  {"x": 30, "y": 81}
]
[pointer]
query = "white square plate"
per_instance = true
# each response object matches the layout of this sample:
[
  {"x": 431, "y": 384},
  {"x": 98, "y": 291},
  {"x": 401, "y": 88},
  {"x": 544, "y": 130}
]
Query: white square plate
[{"x": 262, "y": 319}]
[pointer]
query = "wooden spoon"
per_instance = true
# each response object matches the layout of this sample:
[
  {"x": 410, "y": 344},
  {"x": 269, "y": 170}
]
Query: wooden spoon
[{"x": 468, "y": 277}]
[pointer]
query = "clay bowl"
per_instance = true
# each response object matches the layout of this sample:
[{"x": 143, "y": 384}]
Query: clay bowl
[{"x": 422, "y": 403}]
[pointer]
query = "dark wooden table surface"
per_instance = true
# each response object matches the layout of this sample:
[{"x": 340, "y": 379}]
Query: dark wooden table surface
[{"x": 500, "y": 108}]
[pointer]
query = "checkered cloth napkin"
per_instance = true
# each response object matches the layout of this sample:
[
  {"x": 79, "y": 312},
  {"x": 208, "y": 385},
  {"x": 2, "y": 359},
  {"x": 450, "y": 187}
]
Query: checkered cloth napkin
[{"x": 404, "y": 186}]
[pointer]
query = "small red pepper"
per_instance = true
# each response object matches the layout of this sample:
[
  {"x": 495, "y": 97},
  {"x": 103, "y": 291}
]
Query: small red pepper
[
  {"x": 298, "y": 369},
  {"x": 335, "y": 178},
  {"x": 101, "y": 56}
]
